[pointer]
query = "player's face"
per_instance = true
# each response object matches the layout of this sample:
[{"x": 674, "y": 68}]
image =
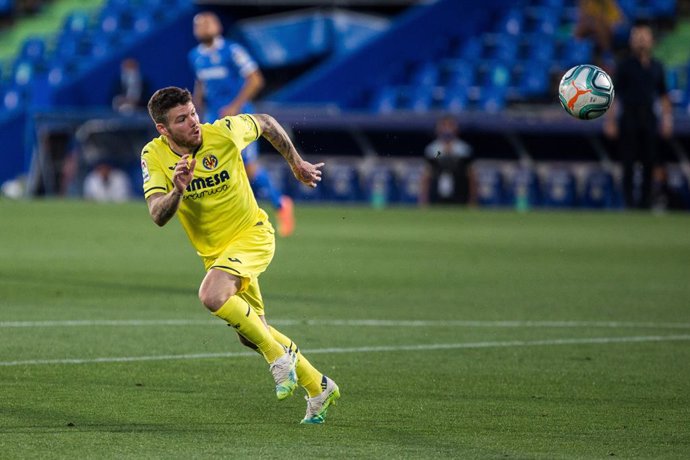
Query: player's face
[
  {"x": 641, "y": 39},
  {"x": 206, "y": 27},
  {"x": 183, "y": 126}
]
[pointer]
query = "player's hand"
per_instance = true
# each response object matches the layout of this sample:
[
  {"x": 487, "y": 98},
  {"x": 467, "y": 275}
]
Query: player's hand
[
  {"x": 230, "y": 110},
  {"x": 307, "y": 173},
  {"x": 184, "y": 172},
  {"x": 666, "y": 127},
  {"x": 610, "y": 129}
]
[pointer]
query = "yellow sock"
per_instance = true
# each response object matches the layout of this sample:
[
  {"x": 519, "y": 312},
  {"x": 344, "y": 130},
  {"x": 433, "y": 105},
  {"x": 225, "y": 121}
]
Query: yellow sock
[
  {"x": 240, "y": 315},
  {"x": 307, "y": 375}
]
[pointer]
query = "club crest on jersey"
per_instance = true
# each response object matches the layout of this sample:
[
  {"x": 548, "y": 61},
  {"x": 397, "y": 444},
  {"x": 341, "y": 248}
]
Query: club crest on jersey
[{"x": 210, "y": 162}]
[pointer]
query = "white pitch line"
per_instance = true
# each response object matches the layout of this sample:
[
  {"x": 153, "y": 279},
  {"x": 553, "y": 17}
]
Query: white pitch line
[
  {"x": 354, "y": 323},
  {"x": 372, "y": 349}
]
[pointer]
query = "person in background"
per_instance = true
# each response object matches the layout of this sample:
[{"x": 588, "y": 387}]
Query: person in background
[
  {"x": 107, "y": 184},
  {"x": 448, "y": 178},
  {"x": 640, "y": 83},
  {"x": 227, "y": 80},
  {"x": 131, "y": 91},
  {"x": 598, "y": 19}
]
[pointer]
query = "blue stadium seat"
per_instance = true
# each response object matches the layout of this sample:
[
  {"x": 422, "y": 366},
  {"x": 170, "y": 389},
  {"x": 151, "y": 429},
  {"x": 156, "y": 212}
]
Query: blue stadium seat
[
  {"x": 419, "y": 99},
  {"x": 77, "y": 22},
  {"x": 541, "y": 48},
  {"x": 459, "y": 74},
  {"x": 496, "y": 74},
  {"x": 599, "y": 190},
  {"x": 382, "y": 185},
  {"x": 455, "y": 99},
  {"x": 504, "y": 49},
  {"x": 13, "y": 98},
  {"x": 142, "y": 21},
  {"x": 409, "y": 184},
  {"x": 678, "y": 189},
  {"x": 342, "y": 183},
  {"x": 513, "y": 22},
  {"x": 385, "y": 100},
  {"x": 492, "y": 99},
  {"x": 490, "y": 187},
  {"x": 525, "y": 183},
  {"x": 472, "y": 49},
  {"x": 427, "y": 74},
  {"x": 560, "y": 189},
  {"x": 24, "y": 71},
  {"x": 576, "y": 52},
  {"x": 33, "y": 49},
  {"x": 534, "y": 80}
]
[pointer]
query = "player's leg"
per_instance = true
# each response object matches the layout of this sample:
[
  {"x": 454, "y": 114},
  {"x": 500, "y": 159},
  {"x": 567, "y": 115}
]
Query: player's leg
[
  {"x": 218, "y": 293},
  {"x": 322, "y": 391},
  {"x": 224, "y": 291},
  {"x": 627, "y": 145}
]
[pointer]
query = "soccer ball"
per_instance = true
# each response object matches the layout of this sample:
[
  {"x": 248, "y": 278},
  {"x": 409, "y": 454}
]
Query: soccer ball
[{"x": 586, "y": 92}]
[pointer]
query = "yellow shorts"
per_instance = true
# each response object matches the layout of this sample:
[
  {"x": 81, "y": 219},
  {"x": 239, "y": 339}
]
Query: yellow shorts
[{"x": 247, "y": 256}]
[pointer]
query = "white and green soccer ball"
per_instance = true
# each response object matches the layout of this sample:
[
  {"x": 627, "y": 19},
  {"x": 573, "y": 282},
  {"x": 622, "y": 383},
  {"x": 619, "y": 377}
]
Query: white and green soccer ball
[{"x": 586, "y": 92}]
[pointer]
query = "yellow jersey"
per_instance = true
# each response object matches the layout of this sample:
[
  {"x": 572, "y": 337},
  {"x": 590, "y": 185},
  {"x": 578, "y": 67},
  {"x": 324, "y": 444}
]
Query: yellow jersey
[{"x": 219, "y": 203}]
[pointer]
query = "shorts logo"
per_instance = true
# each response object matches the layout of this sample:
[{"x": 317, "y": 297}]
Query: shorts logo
[
  {"x": 145, "y": 171},
  {"x": 210, "y": 162}
]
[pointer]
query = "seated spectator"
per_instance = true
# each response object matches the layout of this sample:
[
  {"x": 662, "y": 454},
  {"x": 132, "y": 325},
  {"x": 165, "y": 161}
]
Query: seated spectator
[
  {"x": 448, "y": 178},
  {"x": 107, "y": 184},
  {"x": 597, "y": 20}
]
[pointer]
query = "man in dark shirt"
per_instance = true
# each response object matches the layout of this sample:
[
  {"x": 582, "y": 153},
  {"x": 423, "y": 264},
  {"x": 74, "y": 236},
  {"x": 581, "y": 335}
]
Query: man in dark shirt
[{"x": 639, "y": 81}]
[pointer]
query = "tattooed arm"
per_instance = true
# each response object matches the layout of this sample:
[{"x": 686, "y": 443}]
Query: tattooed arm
[
  {"x": 162, "y": 206},
  {"x": 307, "y": 173}
]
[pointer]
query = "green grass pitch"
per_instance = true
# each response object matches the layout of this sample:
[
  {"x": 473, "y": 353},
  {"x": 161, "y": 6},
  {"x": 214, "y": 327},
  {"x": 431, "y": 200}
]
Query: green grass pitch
[{"x": 452, "y": 334}]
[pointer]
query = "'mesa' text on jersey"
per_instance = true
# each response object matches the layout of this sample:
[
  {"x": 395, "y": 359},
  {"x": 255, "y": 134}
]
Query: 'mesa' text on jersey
[{"x": 200, "y": 184}]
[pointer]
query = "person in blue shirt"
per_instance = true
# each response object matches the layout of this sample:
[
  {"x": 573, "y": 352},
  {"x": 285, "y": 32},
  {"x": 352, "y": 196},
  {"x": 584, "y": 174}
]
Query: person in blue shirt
[{"x": 227, "y": 80}]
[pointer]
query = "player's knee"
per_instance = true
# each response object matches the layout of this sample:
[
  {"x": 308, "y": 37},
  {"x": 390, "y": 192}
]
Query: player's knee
[
  {"x": 211, "y": 298},
  {"x": 216, "y": 289}
]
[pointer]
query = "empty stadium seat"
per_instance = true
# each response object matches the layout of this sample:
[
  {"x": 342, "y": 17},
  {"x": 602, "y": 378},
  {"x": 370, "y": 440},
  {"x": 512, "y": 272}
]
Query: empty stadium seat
[
  {"x": 574, "y": 52},
  {"x": 678, "y": 189},
  {"x": 599, "y": 190},
  {"x": 381, "y": 186},
  {"x": 560, "y": 189},
  {"x": 513, "y": 22},
  {"x": 455, "y": 99},
  {"x": 427, "y": 74},
  {"x": 342, "y": 183},
  {"x": 525, "y": 186},
  {"x": 409, "y": 183},
  {"x": 33, "y": 48},
  {"x": 490, "y": 187},
  {"x": 385, "y": 100},
  {"x": 77, "y": 22},
  {"x": 492, "y": 99},
  {"x": 459, "y": 74}
]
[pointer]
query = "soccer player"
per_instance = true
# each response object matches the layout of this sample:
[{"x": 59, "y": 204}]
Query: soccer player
[
  {"x": 195, "y": 170},
  {"x": 227, "y": 79}
]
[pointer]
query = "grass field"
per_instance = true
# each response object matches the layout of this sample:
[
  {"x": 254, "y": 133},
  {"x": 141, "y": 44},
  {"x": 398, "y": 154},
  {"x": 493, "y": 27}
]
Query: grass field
[{"x": 451, "y": 333}]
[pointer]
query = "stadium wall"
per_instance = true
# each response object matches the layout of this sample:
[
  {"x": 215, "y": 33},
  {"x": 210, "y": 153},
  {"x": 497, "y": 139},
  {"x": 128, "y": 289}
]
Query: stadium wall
[{"x": 344, "y": 80}]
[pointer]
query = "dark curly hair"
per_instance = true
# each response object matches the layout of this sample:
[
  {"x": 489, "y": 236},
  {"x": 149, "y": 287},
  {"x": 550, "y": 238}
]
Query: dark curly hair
[{"x": 165, "y": 99}]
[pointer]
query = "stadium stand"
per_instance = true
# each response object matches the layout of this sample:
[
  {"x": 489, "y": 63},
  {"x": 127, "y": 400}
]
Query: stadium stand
[{"x": 378, "y": 82}]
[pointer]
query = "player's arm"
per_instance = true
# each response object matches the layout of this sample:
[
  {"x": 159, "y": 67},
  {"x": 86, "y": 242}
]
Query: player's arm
[
  {"x": 307, "y": 173},
  {"x": 666, "y": 116},
  {"x": 163, "y": 206},
  {"x": 198, "y": 96},
  {"x": 253, "y": 83}
]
